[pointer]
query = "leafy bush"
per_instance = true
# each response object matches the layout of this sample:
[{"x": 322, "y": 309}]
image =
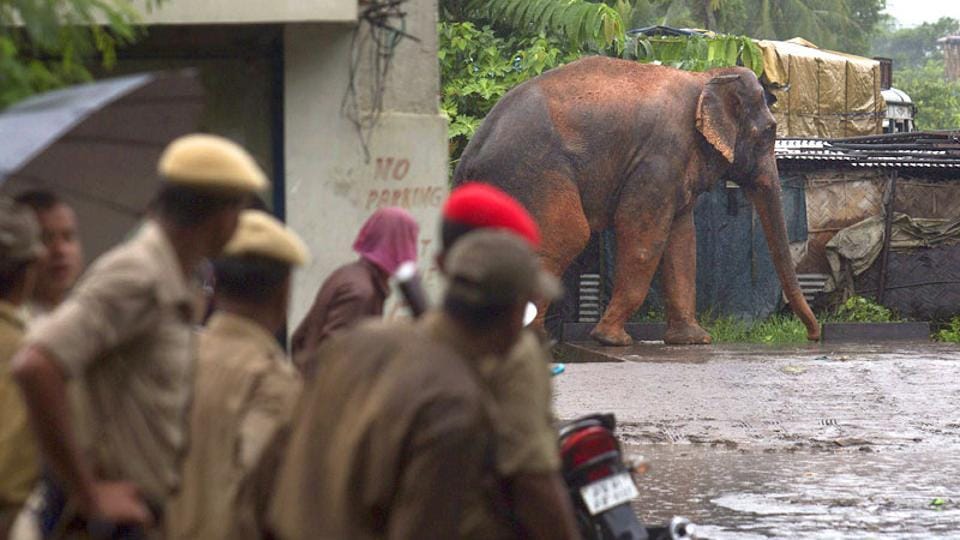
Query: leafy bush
[
  {"x": 696, "y": 52},
  {"x": 479, "y": 67},
  {"x": 860, "y": 309},
  {"x": 937, "y": 99},
  {"x": 45, "y": 44},
  {"x": 951, "y": 333}
]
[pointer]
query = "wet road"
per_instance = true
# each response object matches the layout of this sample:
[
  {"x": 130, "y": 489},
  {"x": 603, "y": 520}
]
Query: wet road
[{"x": 819, "y": 441}]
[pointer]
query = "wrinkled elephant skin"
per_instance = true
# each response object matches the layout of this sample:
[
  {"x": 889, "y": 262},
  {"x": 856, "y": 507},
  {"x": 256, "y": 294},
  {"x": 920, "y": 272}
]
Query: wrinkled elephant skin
[{"x": 604, "y": 143}]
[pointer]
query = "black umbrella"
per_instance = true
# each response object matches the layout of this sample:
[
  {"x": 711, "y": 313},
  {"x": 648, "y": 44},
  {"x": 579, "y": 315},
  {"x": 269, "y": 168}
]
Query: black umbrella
[{"x": 96, "y": 145}]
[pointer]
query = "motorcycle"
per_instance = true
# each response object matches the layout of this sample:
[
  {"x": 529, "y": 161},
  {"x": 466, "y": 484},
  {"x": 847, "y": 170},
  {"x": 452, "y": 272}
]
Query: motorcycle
[{"x": 601, "y": 485}]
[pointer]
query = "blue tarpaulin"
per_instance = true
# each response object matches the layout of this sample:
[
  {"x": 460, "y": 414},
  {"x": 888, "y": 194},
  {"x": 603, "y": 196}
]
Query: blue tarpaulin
[{"x": 735, "y": 274}]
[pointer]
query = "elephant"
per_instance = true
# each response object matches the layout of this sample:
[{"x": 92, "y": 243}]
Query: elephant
[{"x": 608, "y": 143}]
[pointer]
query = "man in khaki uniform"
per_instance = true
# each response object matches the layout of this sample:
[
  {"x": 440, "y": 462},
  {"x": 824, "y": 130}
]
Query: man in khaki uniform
[
  {"x": 125, "y": 334},
  {"x": 394, "y": 438},
  {"x": 20, "y": 252},
  {"x": 245, "y": 386},
  {"x": 527, "y": 453}
]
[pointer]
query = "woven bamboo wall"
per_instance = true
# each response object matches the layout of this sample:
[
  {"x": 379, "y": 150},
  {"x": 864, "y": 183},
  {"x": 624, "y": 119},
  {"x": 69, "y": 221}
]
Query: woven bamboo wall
[
  {"x": 836, "y": 200},
  {"x": 839, "y": 199}
]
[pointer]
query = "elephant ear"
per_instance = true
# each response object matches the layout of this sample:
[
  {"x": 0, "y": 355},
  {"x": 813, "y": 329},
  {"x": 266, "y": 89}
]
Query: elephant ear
[{"x": 717, "y": 114}]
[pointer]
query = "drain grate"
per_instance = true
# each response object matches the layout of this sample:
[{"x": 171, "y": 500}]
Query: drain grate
[
  {"x": 811, "y": 284},
  {"x": 590, "y": 306}
]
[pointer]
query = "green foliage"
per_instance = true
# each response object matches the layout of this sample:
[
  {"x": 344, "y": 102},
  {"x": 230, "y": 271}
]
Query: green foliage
[
  {"x": 45, "y": 44},
  {"x": 937, "y": 100},
  {"x": 581, "y": 23},
  {"x": 478, "y": 67},
  {"x": 698, "y": 53},
  {"x": 913, "y": 48},
  {"x": 951, "y": 333},
  {"x": 860, "y": 309},
  {"x": 845, "y": 25},
  {"x": 919, "y": 70}
]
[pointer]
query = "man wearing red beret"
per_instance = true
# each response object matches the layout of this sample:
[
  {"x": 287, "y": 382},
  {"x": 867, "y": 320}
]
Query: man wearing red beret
[{"x": 527, "y": 455}]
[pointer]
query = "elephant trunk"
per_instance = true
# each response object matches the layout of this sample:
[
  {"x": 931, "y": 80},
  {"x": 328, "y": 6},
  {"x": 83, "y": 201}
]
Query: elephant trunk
[{"x": 766, "y": 199}]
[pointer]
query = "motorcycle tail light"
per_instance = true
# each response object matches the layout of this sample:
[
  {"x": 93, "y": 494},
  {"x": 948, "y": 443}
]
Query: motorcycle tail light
[
  {"x": 587, "y": 445},
  {"x": 599, "y": 473}
]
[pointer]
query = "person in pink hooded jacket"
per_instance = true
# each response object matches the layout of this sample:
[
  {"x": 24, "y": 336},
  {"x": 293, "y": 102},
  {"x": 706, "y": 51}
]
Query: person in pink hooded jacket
[{"x": 358, "y": 290}]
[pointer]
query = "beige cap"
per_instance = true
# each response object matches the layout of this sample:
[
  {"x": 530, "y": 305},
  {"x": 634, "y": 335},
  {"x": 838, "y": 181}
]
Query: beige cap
[
  {"x": 19, "y": 235},
  {"x": 496, "y": 268},
  {"x": 260, "y": 234},
  {"x": 211, "y": 162}
]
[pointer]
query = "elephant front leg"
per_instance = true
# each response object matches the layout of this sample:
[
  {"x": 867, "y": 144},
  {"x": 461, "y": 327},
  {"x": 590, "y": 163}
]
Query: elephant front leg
[
  {"x": 640, "y": 245},
  {"x": 679, "y": 273}
]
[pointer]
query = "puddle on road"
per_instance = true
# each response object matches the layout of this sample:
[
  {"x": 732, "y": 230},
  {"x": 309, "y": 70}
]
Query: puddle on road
[{"x": 841, "y": 494}]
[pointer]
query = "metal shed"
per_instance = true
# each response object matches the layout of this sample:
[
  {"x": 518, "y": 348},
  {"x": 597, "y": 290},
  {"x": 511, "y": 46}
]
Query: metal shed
[{"x": 828, "y": 185}]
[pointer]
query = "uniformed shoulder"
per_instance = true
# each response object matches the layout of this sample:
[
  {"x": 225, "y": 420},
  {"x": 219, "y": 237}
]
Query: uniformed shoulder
[
  {"x": 239, "y": 353},
  {"x": 127, "y": 266},
  {"x": 529, "y": 347},
  {"x": 528, "y": 356},
  {"x": 413, "y": 358},
  {"x": 372, "y": 330}
]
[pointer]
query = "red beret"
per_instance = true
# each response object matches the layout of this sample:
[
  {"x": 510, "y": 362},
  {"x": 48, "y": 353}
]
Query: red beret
[{"x": 485, "y": 206}]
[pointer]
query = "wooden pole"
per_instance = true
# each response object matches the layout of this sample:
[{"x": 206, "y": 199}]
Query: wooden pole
[{"x": 889, "y": 198}]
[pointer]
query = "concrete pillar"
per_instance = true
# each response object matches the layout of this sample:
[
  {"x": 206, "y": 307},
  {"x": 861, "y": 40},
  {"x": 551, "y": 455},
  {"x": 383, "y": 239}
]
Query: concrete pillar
[{"x": 332, "y": 186}]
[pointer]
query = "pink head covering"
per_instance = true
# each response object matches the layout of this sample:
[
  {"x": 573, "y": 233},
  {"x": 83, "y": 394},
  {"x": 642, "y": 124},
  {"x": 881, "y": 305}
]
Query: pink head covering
[{"x": 388, "y": 239}]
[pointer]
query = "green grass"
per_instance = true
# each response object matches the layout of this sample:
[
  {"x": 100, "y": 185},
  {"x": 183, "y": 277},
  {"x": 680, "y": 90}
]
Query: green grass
[
  {"x": 777, "y": 329},
  {"x": 786, "y": 329}
]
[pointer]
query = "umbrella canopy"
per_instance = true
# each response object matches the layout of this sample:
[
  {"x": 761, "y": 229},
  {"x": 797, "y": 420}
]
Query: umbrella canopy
[{"x": 96, "y": 146}]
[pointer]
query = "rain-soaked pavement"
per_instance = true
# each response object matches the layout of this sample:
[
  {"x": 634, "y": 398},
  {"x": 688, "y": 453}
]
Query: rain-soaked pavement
[{"x": 845, "y": 441}]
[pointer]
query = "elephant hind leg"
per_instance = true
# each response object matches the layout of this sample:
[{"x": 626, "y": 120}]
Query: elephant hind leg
[{"x": 564, "y": 229}]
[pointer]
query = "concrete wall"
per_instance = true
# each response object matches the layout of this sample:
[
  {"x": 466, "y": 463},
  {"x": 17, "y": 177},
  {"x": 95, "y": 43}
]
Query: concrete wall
[
  {"x": 332, "y": 186},
  {"x": 248, "y": 11}
]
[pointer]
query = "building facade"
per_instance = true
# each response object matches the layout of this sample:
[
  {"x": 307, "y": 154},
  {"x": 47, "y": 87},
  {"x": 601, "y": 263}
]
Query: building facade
[{"x": 337, "y": 100}]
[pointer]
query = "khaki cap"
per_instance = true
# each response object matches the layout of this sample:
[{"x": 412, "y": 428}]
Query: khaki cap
[
  {"x": 496, "y": 268},
  {"x": 211, "y": 162},
  {"x": 19, "y": 235},
  {"x": 262, "y": 235}
]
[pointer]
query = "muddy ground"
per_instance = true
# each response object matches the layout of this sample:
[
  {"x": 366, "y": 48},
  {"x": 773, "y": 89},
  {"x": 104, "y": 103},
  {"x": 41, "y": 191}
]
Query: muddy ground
[{"x": 859, "y": 441}]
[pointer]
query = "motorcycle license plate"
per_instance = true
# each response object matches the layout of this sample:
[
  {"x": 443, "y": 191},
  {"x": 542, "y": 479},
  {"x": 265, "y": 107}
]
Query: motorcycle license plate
[{"x": 604, "y": 494}]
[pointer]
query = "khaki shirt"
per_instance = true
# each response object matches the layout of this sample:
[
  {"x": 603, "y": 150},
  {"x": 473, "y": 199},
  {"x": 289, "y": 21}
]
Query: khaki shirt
[
  {"x": 520, "y": 384},
  {"x": 18, "y": 452},
  {"x": 125, "y": 333},
  {"x": 245, "y": 391},
  {"x": 392, "y": 440}
]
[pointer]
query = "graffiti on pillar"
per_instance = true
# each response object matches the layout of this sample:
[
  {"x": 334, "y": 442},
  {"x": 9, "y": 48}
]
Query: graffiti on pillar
[
  {"x": 390, "y": 169},
  {"x": 395, "y": 184}
]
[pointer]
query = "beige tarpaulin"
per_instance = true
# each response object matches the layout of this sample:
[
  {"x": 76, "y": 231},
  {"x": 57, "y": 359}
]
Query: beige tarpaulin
[
  {"x": 822, "y": 93},
  {"x": 859, "y": 245}
]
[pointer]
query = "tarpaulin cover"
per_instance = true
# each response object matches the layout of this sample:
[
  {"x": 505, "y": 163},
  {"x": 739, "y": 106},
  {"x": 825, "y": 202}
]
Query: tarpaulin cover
[
  {"x": 860, "y": 245},
  {"x": 822, "y": 93},
  {"x": 735, "y": 273},
  {"x": 922, "y": 284}
]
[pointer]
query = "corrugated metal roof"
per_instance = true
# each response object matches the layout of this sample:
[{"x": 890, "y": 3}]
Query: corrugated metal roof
[{"x": 917, "y": 150}]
